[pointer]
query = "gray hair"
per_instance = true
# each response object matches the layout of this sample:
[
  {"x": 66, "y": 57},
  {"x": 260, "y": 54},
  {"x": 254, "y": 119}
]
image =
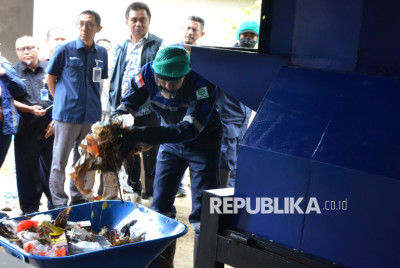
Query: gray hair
[{"x": 26, "y": 38}]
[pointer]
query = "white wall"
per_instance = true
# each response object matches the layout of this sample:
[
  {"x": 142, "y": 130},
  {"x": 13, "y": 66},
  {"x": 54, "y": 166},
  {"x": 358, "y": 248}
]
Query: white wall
[{"x": 167, "y": 17}]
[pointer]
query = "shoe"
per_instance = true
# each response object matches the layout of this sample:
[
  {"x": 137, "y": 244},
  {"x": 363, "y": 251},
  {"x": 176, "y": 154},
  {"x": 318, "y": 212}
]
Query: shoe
[
  {"x": 181, "y": 192},
  {"x": 150, "y": 201},
  {"x": 135, "y": 198},
  {"x": 146, "y": 195},
  {"x": 6, "y": 208},
  {"x": 77, "y": 202},
  {"x": 29, "y": 212}
]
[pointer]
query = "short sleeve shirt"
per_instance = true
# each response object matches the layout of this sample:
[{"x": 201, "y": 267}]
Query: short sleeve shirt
[{"x": 77, "y": 97}]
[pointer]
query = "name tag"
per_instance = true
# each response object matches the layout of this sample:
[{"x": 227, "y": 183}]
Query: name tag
[
  {"x": 44, "y": 94},
  {"x": 96, "y": 74}
]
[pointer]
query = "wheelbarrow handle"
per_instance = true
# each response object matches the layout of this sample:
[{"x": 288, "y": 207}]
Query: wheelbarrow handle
[{"x": 5, "y": 243}]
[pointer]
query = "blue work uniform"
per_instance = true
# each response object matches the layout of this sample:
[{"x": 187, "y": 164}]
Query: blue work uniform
[
  {"x": 33, "y": 152},
  {"x": 190, "y": 136},
  {"x": 235, "y": 119},
  {"x": 77, "y": 106},
  {"x": 77, "y": 98},
  {"x": 11, "y": 88}
]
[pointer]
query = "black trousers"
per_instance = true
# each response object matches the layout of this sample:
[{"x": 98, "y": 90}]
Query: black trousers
[
  {"x": 33, "y": 156},
  {"x": 133, "y": 166}
]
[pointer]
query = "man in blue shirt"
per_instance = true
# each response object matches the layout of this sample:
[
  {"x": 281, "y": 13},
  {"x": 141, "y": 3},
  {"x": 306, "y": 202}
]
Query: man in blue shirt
[
  {"x": 74, "y": 75},
  {"x": 191, "y": 131},
  {"x": 11, "y": 86}
]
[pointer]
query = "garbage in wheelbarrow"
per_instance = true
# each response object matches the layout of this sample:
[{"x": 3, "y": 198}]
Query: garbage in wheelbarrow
[{"x": 159, "y": 232}]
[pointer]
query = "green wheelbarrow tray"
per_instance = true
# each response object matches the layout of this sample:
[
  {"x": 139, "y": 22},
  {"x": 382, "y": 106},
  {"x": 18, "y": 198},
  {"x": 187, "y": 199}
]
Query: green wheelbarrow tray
[{"x": 159, "y": 230}]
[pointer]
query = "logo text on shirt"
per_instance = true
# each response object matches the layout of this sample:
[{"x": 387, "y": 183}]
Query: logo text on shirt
[{"x": 202, "y": 93}]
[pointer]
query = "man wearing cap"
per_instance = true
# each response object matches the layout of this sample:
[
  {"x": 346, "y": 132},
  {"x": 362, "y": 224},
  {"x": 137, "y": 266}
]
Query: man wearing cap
[
  {"x": 190, "y": 135},
  {"x": 234, "y": 114},
  {"x": 247, "y": 35}
]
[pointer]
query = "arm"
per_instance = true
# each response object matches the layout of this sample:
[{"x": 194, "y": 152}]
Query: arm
[
  {"x": 11, "y": 79},
  {"x": 51, "y": 81},
  {"x": 198, "y": 116},
  {"x": 34, "y": 109},
  {"x": 136, "y": 96}
]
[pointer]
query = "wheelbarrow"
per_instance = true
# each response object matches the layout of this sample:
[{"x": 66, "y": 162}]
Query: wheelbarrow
[{"x": 160, "y": 232}]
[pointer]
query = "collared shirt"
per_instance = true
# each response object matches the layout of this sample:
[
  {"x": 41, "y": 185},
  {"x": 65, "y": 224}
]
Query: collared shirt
[
  {"x": 133, "y": 57},
  {"x": 77, "y": 97},
  {"x": 34, "y": 83}
]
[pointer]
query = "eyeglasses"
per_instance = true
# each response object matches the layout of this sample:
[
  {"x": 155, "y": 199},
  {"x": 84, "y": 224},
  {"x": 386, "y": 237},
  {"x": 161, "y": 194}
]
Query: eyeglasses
[
  {"x": 87, "y": 24},
  {"x": 29, "y": 48}
]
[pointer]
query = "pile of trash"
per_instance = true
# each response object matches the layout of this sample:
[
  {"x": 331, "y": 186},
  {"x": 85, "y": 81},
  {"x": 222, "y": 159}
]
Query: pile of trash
[{"x": 42, "y": 236}]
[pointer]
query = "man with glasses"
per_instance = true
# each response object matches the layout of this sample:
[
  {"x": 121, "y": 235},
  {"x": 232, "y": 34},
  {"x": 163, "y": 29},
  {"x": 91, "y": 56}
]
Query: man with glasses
[
  {"x": 34, "y": 141},
  {"x": 74, "y": 74},
  {"x": 139, "y": 48},
  {"x": 191, "y": 131}
]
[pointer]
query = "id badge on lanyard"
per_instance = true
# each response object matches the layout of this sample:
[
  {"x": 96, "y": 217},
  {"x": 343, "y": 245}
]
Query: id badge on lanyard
[
  {"x": 44, "y": 94},
  {"x": 96, "y": 73}
]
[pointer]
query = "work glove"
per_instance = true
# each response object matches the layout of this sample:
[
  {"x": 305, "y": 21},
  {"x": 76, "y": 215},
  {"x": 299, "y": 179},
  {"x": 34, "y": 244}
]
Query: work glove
[
  {"x": 127, "y": 141},
  {"x": 131, "y": 140}
]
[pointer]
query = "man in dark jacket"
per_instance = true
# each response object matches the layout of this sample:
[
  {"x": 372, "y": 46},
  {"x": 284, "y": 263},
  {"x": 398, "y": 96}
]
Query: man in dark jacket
[
  {"x": 34, "y": 142},
  {"x": 138, "y": 49}
]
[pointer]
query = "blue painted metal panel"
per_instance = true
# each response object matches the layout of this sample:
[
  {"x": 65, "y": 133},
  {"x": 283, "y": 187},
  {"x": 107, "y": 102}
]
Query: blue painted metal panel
[
  {"x": 326, "y": 34},
  {"x": 367, "y": 234},
  {"x": 282, "y": 24},
  {"x": 380, "y": 39},
  {"x": 349, "y": 120},
  {"x": 339, "y": 134},
  {"x": 245, "y": 76},
  {"x": 266, "y": 174}
]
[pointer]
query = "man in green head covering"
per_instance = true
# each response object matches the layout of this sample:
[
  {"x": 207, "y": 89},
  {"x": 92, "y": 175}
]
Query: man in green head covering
[
  {"x": 191, "y": 131},
  {"x": 247, "y": 34}
]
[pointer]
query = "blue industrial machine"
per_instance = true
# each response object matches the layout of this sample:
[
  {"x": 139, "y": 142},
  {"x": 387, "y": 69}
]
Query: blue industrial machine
[{"x": 326, "y": 88}]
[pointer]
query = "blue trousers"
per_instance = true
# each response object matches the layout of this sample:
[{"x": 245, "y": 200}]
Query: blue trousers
[{"x": 172, "y": 161}]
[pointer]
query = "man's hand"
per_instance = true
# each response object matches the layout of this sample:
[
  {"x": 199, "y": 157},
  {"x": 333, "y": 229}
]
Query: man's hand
[
  {"x": 37, "y": 110},
  {"x": 49, "y": 130}
]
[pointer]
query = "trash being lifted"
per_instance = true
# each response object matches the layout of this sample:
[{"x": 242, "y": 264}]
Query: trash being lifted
[
  {"x": 60, "y": 237},
  {"x": 100, "y": 152}
]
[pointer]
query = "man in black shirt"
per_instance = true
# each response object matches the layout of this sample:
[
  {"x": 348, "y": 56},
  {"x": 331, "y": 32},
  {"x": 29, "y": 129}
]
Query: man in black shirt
[{"x": 34, "y": 141}]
